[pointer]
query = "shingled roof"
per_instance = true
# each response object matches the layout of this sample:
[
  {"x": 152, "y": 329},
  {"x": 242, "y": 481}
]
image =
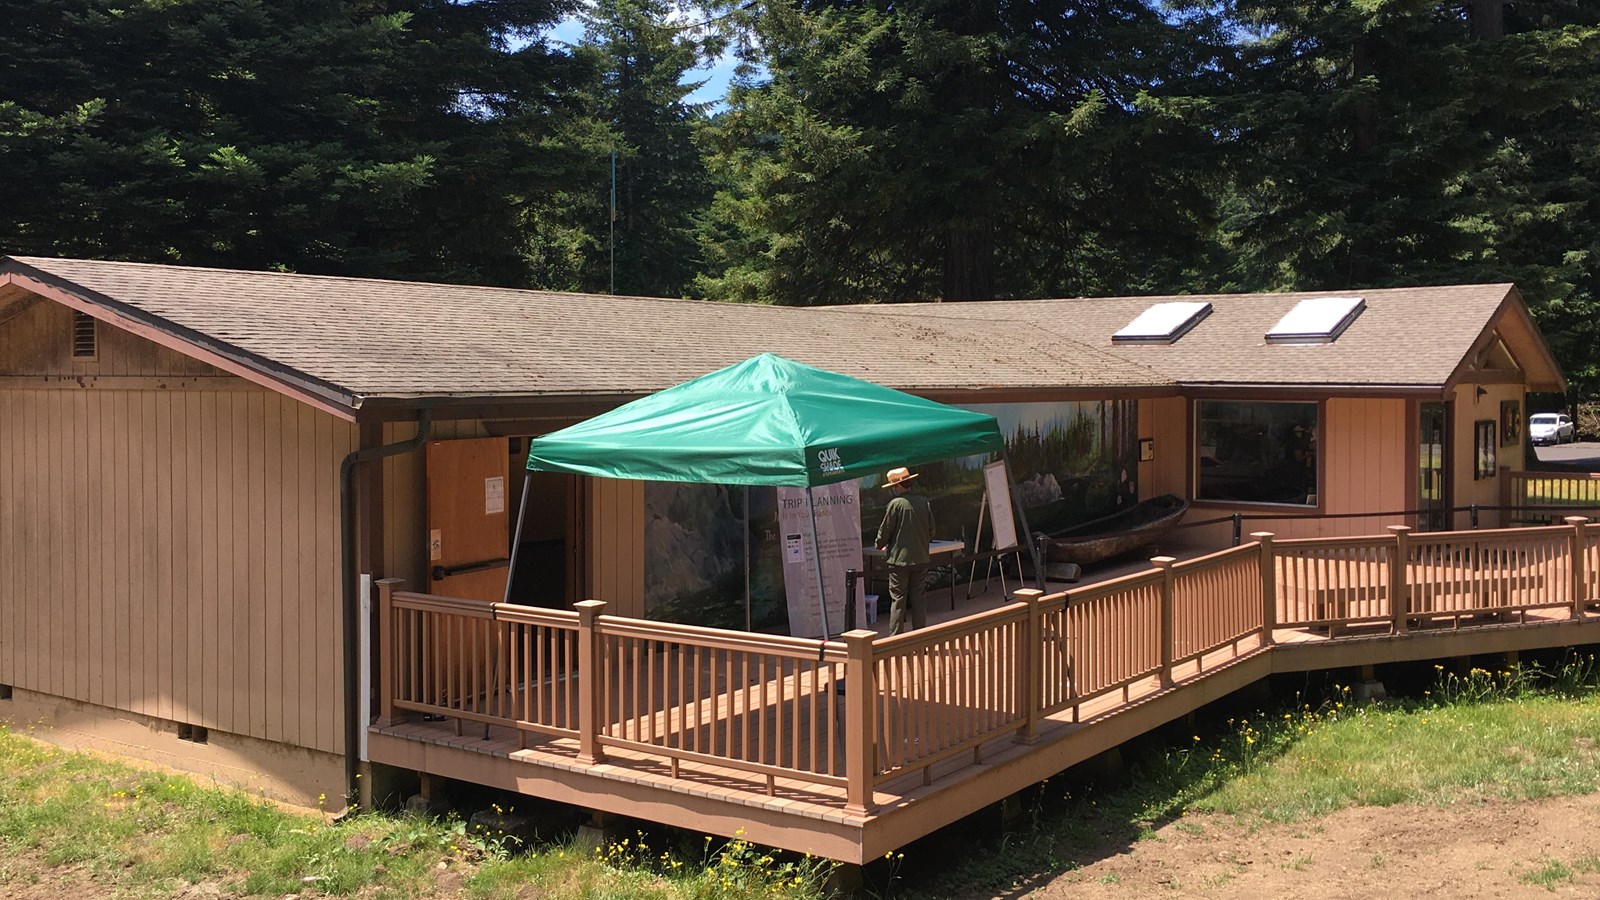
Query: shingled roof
[
  {"x": 1413, "y": 337},
  {"x": 358, "y": 339},
  {"x": 354, "y": 341}
]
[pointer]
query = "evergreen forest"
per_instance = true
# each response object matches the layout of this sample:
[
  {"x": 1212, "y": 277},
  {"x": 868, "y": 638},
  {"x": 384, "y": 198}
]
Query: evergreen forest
[{"x": 868, "y": 151}]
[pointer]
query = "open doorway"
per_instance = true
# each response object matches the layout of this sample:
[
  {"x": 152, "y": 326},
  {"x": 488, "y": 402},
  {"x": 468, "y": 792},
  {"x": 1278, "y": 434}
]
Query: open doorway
[
  {"x": 549, "y": 558},
  {"x": 474, "y": 492}
]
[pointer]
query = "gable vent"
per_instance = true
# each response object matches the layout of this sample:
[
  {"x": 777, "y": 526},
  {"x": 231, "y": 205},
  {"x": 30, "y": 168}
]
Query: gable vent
[
  {"x": 1319, "y": 320},
  {"x": 1163, "y": 323},
  {"x": 83, "y": 346}
]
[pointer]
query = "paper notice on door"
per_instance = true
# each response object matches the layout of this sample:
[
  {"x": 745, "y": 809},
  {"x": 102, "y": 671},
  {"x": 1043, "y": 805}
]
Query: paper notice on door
[{"x": 494, "y": 495}]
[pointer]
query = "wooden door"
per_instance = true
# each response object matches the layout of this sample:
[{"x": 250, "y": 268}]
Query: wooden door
[{"x": 468, "y": 509}]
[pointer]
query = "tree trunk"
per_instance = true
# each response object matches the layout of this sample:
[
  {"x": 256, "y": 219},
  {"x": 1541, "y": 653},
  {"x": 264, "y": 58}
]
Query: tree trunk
[
  {"x": 968, "y": 262},
  {"x": 1488, "y": 19}
]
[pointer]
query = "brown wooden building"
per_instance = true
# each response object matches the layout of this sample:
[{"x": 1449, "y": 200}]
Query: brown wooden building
[
  {"x": 173, "y": 578},
  {"x": 1395, "y": 391}
]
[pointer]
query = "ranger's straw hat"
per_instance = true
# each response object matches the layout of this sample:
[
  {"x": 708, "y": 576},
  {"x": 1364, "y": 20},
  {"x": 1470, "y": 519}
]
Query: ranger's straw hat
[{"x": 896, "y": 476}]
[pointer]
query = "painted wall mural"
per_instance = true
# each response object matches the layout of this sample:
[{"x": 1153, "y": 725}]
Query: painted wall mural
[{"x": 1071, "y": 461}]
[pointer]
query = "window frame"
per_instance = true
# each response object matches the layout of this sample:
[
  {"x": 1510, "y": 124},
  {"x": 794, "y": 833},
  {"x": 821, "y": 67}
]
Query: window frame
[{"x": 1195, "y": 500}]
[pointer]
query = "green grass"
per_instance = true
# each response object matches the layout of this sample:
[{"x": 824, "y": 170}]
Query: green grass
[
  {"x": 96, "y": 827},
  {"x": 1513, "y": 734}
]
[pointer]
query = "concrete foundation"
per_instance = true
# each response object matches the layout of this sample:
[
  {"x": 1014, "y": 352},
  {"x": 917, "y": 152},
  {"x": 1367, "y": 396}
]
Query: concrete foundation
[
  {"x": 294, "y": 775},
  {"x": 1369, "y": 692},
  {"x": 599, "y": 829},
  {"x": 432, "y": 797},
  {"x": 846, "y": 880}
]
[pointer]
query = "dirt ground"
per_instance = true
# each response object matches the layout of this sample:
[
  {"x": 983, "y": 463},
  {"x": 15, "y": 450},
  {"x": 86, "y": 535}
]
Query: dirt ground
[
  {"x": 1533, "y": 849},
  {"x": 1545, "y": 848}
]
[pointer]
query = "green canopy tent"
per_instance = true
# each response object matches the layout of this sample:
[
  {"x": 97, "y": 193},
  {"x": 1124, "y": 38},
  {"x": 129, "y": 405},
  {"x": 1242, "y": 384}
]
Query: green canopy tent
[{"x": 765, "y": 421}]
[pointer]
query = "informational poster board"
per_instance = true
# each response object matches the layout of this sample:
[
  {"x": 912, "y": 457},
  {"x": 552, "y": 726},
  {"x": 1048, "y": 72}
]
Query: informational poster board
[
  {"x": 839, "y": 534},
  {"x": 998, "y": 486}
]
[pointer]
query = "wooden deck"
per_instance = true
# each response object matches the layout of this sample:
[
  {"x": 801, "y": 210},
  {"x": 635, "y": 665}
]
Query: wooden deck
[{"x": 849, "y": 749}]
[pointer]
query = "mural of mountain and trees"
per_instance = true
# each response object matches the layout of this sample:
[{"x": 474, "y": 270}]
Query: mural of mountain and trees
[{"x": 1071, "y": 462}]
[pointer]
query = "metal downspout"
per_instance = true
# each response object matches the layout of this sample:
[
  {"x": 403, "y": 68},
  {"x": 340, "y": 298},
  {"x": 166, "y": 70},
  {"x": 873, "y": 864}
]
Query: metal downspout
[{"x": 352, "y": 605}]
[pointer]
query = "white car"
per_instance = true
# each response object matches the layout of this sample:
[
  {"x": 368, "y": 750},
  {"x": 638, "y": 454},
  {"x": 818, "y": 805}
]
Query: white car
[{"x": 1551, "y": 428}]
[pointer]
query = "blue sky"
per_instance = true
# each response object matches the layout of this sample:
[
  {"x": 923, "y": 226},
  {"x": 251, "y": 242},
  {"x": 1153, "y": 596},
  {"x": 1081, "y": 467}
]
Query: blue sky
[{"x": 716, "y": 75}]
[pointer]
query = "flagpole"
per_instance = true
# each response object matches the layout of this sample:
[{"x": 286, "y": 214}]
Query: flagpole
[{"x": 613, "y": 288}]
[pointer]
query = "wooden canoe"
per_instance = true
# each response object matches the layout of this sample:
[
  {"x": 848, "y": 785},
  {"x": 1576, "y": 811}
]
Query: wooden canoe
[{"x": 1117, "y": 534}]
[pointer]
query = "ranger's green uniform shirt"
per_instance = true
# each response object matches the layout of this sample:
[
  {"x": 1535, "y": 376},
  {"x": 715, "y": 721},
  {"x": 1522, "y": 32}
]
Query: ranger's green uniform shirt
[{"x": 906, "y": 530}]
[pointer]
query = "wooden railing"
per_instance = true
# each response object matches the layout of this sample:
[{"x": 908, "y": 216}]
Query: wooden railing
[
  {"x": 865, "y": 710},
  {"x": 1409, "y": 578},
  {"x": 1587, "y": 576},
  {"x": 766, "y": 704},
  {"x": 1509, "y": 571},
  {"x": 758, "y": 703},
  {"x": 1332, "y": 582},
  {"x": 1526, "y": 497},
  {"x": 945, "y": 690},
  {"x": 1101, "y": 639},
  {"x": 1214, "y": 603},
  {"x": 477, "y": 662}
]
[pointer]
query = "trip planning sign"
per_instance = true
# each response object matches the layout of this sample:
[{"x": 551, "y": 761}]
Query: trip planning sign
[{"x": 838, "y": 543}]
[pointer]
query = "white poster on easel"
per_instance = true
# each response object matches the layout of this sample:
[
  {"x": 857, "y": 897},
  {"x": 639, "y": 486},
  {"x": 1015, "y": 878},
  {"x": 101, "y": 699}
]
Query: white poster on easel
[
  {"x": 839, "y": 534},
  {"x": 997, "y": 485}
]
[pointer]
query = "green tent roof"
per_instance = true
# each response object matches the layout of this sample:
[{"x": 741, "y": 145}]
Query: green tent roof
[{"x": 767, "y": 420}]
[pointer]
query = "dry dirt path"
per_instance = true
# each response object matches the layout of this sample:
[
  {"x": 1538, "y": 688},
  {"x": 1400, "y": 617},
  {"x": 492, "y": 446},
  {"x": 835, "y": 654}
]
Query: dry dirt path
[{"x": 1472, "y": 850}]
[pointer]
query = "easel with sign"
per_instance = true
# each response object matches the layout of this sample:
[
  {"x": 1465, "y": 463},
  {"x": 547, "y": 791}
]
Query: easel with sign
[{"x": 996, "y": 500}]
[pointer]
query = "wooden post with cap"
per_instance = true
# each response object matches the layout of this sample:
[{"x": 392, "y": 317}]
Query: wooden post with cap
[
  {"x": 1029, "y": 663},
  {"x": 387, "y": 651},
  {"x": 1167, "y": 629},
  {"x": 860, "y": 724},
  {"x": 1399, "y": 591},
  {"x": 589, "y": 661},
  {"x": 1580, "y": 565},
  {"x": 1269, "y": 586}
]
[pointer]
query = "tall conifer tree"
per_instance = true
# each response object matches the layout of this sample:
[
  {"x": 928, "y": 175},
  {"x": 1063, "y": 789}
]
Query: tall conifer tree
[
  {"x": 1412, "y": 142},
  {"x": 370, "y": 138},
  {"x": 644, "y": 58},
  {"x": 950, "y": 149}
]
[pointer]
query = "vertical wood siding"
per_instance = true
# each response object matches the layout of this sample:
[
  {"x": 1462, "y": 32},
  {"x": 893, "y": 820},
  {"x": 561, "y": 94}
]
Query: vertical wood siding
[
  {"x": 1166, "y": 421},
  {"x": 1364, "y": 466},
  {"x": 38, "y": 341},
  {"x": 175, "y": 554},
  {"x": 1469, "y": 409},
  {"x": 616, "y": 546}
]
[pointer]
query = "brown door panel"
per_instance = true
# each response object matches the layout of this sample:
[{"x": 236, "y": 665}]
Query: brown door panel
[{"x": 468, "y": 509}]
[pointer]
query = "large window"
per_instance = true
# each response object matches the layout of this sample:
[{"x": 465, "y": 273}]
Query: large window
[{"x": 1256, "y": 452}]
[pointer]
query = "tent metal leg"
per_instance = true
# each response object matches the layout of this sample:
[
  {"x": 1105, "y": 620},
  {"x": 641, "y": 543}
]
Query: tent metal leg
[
  {"x": 516, "y": 538},
  {"x": 511, "y": 570},
  {"x": 748, "y": 625},
  {"x": 816, "y": 557}
]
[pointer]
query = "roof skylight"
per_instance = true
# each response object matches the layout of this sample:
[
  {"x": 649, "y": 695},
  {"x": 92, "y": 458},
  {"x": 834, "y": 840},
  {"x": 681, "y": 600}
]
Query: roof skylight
[
  {"x": 1319, "y": 320},
  {"x": 1163, "y": 323}
]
